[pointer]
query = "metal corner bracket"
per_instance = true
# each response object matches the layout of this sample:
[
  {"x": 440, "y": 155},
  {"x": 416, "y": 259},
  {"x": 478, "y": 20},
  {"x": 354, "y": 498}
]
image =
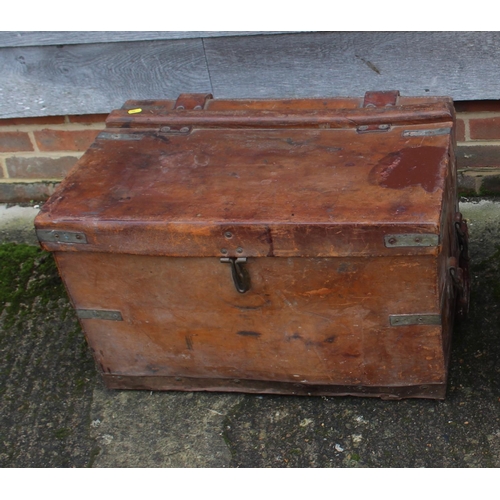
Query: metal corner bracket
[
  {"x": 411, "y": 240},
  {"x": 414, "y": 319},
  {"x": 99, "y": 314},
  {"x": 54, "y": 236}
]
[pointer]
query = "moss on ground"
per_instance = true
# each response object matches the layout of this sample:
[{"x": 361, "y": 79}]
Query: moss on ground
[
  {"x": 19, "y": 264},
  {"x": 47, "y": 374}
]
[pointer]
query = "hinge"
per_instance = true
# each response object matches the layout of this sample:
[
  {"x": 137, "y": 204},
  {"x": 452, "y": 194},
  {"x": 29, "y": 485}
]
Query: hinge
[
  {"x": 186, "y": 102},
  {"x": 167, "y": 129},
  {"x": 192, "y": 101},
  {"x": 380, "y": 99}
]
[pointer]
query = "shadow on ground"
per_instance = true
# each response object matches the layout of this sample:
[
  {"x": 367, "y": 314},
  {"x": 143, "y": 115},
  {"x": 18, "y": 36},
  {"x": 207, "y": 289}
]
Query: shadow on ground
[{"x": 54, "y": 411}]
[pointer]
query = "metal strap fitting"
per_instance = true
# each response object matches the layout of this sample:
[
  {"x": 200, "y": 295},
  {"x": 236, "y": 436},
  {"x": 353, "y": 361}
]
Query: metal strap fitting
[{"x": 378, "y": 99}]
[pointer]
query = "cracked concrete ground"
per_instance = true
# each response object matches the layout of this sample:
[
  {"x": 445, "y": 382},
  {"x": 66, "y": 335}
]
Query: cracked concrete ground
[{"x": 55, "y": 412}]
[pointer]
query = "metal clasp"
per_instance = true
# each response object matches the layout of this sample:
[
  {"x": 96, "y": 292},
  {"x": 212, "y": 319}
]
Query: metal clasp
[
  {"x": 457, "y": 274},
  {"x": 463, "y": 237},
  {"x": 460, "y": 281},
  {"x": 241, "y": 278}
]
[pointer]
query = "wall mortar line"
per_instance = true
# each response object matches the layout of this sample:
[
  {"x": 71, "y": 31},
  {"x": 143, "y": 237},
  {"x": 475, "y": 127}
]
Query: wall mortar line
[
  {"x": 70, "y": 127},
  {"x": 467, "y": 129},
  {"x": 3, "y": 165},
  {"x": 31, "y": 135},
  {"x": 41, "y": 154}
]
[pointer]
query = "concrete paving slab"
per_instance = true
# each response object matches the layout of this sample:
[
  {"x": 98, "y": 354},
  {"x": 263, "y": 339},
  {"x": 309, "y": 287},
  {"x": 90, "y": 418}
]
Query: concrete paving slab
[
  {"x": 154, "y": 429},
  {"x": 55, "y": 412},
  {"x": 484, "y": 225},
  {"x": 16, "y": 223}
]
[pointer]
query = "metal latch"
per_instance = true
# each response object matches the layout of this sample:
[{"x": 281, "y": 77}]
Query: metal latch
[{"x": 241, "y": 278}]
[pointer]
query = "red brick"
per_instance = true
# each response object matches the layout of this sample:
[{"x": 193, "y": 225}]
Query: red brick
[
  {"x": 23, "y": 192},
  {"x": 484, "y": 128},
  {"x": 467, "y": 184},
  {"x": 478, "y": 156},
  {"x": 39, "y": 167},
  {"x": 11, "y": 142},
  {"x": 36, "y": 120},
  {"x": 88, "y": 118},
  {"x": 490, "y": 185},
  {"x": 477, "y": 106},
  {"x": 460, "y": 130},
  {"x": 65, "y": 140}
]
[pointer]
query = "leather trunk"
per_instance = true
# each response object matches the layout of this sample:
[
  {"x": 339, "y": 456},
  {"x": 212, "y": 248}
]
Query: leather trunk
[{"x": 308, "y": 247}]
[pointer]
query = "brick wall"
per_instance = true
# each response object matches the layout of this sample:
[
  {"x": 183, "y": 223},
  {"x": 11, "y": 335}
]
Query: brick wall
[
  {"x": 36, "y": 153},
  {"x": 478, "y": 147}
]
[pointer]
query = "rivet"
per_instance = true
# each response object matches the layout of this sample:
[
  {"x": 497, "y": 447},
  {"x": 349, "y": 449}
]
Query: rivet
[
  {"x": 370, "y": 105},
  {"x": 78, "y": 236},
  {"x": 223, "y": 251},
  {"x": 178, "y": 379},
  {"x": 180, "y": 107},
  {"x": 165, "y": 129},
  {"x": 184, "y": 129},
  {"x": 392, "y": 241},
  {"x": 56, "y": 235},
  {"x": 236, "y": 381},
  {"x": 197, "y": 107},
  {"x": 239, "y": 250},
  {"x": 383, "y": 127},
  {"x": 363, "y": 127},
  {"x": 228, "y": 234}
]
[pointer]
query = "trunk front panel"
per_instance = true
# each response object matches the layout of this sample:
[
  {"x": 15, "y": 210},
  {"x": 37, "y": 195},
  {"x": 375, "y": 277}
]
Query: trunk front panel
[{"x": 304, "y": 320}]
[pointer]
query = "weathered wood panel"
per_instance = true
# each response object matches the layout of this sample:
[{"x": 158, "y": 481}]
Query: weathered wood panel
[
  {"x": 463, "y": 65},
  {"x": 96, "y": 78},
  {"x": 40, "y": 38}
]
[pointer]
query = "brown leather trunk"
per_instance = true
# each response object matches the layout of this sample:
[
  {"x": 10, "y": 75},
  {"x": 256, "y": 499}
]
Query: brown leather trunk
[{"x": 306, "y": 246}]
